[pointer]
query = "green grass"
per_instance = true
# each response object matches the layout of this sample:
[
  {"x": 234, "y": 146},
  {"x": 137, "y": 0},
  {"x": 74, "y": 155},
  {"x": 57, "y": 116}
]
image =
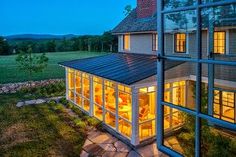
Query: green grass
[
  {"x": 9, "y": 71},
  {"x": 37, "y": 130}
]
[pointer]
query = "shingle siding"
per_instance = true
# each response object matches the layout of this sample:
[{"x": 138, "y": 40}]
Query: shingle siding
[{"x": 232, "y": 41}]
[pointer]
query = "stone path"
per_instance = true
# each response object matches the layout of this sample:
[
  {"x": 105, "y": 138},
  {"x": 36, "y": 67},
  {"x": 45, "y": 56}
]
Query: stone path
[
  {"x": 102, "y": 144},
  {"x": 38, "y": 101}
]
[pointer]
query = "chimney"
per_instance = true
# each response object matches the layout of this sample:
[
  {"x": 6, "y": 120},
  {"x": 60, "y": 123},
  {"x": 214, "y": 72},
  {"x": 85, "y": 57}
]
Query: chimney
[{"x": 146, "y": 8}]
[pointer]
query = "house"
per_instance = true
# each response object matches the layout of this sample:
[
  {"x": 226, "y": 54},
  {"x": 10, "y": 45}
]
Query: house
[{"x": 120, "y": 89}]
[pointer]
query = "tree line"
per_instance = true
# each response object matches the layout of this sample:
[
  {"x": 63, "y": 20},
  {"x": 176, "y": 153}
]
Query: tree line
[{"x": 97, "y": 43}]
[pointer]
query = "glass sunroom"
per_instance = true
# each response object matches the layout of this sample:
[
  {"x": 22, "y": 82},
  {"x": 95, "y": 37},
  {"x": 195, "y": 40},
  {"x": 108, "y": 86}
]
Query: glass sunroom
[{"x": 120, "y": 90}]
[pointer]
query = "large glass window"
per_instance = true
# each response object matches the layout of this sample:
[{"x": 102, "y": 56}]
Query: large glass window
[
  {"x": 98, "y": 97},
  {"x": 125, "y": 109},
  {"x": 147, "y": 112},
  {"x": 86, "y": 91},
  {"x": 110, "y": 103},
  {"x": 204, "y": 113},
  {"x": 71, "y": 84}
]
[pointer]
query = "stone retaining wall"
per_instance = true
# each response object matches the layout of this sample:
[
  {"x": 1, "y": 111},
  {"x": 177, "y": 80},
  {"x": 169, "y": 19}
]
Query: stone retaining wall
[{"x": 14, "y": 87}]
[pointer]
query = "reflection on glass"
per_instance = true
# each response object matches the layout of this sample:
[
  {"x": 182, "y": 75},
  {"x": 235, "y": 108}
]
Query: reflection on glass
[
  {"x": 183, "y": 140},
  {"x": 224, "y": 105},
  {"x": 172, "y": 4}
]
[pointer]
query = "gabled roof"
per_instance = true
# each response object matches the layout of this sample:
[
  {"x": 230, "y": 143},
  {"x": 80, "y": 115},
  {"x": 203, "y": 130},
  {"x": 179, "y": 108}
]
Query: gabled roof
[
  {"x": 134, "y": 24},
  {"x": 124, "y": 68}
]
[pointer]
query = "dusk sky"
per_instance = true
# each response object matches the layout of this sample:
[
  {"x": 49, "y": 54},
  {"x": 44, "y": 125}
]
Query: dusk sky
[{"x": 60, "y": 16}]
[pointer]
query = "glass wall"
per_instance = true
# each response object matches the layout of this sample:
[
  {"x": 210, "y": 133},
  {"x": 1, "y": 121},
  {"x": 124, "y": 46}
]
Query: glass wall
[
  {"x": 71, "y": 84},
  {"x": 208, "y": 55},
  {"x": 125, "y": 110},
  {"x": 98, "y": 97},
  {"x": 147, "y": 112},
  {"x": 79, "y": 88},
  {"x": 110, "y": 103}
]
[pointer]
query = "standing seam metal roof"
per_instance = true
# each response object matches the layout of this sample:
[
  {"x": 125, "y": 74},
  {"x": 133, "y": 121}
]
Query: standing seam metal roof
[{"x": 125, "y": 68}]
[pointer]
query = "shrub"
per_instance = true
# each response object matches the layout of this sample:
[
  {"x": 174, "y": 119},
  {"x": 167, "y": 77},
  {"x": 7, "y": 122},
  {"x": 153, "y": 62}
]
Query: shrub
[
  {"x": 93, "y": 121},
  {"x": 80, "y": 123},
  {"x": 64, "y": 101}
]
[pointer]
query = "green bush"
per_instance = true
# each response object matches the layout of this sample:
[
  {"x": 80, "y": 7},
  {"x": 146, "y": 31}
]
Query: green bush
[
  {"x": 64, "y": 101},
  {"x": 93, "y": 121},
  {"x": 50, "y": 90},
  {"x": 80, "y": 123}
]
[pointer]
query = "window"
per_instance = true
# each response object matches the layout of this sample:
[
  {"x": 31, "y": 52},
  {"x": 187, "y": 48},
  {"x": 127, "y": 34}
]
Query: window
[
  {"x": 154, "y": 42},
  {"x": 98, "y": 97},
  {"x": 219, "y": 42},
  {"x": 224, "y": 105},
  {"x": 180, "y": 43},
  {"x": 126, "y": 42},
  {"x": 147, "y": 112},
  {"x": 125, "y": 110}
]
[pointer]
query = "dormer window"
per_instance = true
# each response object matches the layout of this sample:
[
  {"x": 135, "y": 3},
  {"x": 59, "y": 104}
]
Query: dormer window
[
  {"x": 154, "y": 42},
  {"x": 126, "y": 42},
  {"x": 180, "y": 43},
  {"x": 219, "y": 42}
]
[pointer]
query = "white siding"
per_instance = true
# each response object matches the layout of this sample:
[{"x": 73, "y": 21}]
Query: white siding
[{"x": 139, "y": 43}]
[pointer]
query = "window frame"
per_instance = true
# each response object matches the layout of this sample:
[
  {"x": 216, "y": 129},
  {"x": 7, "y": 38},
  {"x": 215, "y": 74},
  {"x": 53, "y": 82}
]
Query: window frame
[
  {"x": 176, "y": 41},
  {"x": 225, "y": 42},
  {"x": 154, "y": 42},
  {"x": 124, "y": 42}
]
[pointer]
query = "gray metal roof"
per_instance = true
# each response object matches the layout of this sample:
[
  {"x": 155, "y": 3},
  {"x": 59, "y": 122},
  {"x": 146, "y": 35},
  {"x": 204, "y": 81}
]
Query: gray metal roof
[
  {"x": 134, "y": 24},
  {"x": 125, "y": 68}
]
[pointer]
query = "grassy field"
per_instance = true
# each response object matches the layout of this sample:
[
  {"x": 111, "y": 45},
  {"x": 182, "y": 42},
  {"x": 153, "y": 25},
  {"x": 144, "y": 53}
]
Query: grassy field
[{"x": 9, "y": 71}]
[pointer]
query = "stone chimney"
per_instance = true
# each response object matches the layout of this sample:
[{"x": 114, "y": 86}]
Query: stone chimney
[{"x": 146, "y": 8}]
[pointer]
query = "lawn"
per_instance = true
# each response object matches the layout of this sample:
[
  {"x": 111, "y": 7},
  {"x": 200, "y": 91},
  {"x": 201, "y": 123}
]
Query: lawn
[
  {"x": 9, "y": 71},
  {"x": 41, "y": 130}
]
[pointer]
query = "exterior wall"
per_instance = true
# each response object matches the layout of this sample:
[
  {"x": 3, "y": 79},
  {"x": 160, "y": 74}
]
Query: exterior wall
[
  {"x": 139, "y": 43},
  {"x": 232, "y": 41}
]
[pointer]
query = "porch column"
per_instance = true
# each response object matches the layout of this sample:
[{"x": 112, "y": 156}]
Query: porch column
[
  {"x": 91, "y": 110},
  {"x": 135, "y": 117}
]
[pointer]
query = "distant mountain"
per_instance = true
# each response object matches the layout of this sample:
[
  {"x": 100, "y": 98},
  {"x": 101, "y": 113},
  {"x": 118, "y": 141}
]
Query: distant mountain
[{"x": 38, "y": 36}]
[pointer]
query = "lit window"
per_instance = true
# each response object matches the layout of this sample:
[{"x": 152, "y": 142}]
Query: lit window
[
  {"x": 180, "y": 43},
  {"x": 219, "y": 42},
  {"x": 126, "y": 42},
  {"x": 224, "y": 105},
  {"x": 154, "y": 42}
]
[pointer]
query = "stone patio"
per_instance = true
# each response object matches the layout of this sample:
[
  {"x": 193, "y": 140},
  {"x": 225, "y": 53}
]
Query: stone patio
[{"x": 102, "y": 144}]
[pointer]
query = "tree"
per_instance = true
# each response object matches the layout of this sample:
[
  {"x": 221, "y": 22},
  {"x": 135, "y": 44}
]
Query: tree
[
  {"x": 127, "y": 10},
  {"x": 4, "y": 47},
  {"x": 51, "y": 46},
  {"x": 31, "y": 63}
]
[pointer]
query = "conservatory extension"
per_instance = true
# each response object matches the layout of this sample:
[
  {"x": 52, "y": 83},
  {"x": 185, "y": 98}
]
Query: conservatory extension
[{"x": 120, "y": 90}]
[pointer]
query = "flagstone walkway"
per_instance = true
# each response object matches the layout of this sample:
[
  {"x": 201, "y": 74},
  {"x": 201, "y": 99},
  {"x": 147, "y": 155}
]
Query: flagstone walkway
[{"x": 102, "y": 144}]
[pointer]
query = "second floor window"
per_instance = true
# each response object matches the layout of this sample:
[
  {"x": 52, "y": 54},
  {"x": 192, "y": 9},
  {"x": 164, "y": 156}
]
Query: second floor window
[
  {"x": 180, "y": 43},
  {"x": 126, "y": 42},
  {"x": 154, "y": 42},
  {"x": 219, "y": 42}
]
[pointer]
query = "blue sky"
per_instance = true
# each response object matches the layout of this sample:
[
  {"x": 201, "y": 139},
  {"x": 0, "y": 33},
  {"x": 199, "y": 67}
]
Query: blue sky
[{"x": 60, "y": 16}]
